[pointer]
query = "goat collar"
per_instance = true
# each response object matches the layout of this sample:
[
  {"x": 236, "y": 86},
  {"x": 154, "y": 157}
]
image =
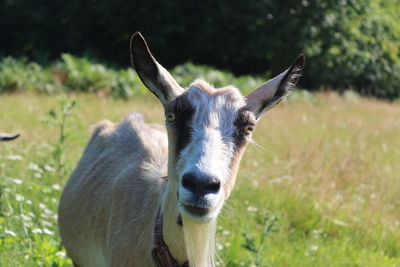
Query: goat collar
[{"x": 161, "y": 255}]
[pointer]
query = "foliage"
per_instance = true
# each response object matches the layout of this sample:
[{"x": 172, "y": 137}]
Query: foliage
[
  {"x": 348, "y": 43},
  {"x": 23, "y": 75},
  {"x": 356, "y": 45},
  {"x": 314, "y": 193},
  {"x": 74, "y": 74},
  {"x": 85, "y": 76}
]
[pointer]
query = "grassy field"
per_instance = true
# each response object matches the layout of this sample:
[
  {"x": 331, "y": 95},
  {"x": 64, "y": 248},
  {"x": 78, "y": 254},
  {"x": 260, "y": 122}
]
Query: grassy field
[{"x": 322, "y": 188}]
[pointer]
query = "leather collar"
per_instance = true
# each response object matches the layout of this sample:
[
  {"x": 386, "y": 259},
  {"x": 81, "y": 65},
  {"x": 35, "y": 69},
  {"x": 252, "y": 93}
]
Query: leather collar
[{"x": 161, "y": 255}]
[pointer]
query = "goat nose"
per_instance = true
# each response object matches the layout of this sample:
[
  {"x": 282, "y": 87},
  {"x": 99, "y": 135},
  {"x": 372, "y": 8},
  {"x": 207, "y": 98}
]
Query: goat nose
[{"x": 201, "y": 184}]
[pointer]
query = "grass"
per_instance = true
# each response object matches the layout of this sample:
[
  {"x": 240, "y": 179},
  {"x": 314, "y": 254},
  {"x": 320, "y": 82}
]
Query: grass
[{"x": 321, "y": 190}]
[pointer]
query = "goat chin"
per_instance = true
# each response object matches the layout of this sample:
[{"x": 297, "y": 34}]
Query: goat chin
[{"x": 199, "y": 241}]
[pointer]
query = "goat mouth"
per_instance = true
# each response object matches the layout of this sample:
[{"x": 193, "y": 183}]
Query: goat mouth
[{"x": 196, "y": 210}]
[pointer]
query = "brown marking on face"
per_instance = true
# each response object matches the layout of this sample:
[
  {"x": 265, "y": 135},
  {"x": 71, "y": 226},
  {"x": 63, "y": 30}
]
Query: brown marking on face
[{"x": 240, "y": 138}]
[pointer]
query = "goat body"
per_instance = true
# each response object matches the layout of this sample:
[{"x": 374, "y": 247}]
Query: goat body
[{"x": 110, "y": 205}]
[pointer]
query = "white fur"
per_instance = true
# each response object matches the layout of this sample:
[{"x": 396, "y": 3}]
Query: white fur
[
  {"x": 211, "y": 146},
  {"x": 199, "y": 242}
]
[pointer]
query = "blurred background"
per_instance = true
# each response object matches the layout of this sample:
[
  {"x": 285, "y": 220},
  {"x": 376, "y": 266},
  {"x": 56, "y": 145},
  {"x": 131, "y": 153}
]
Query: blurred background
[
  {"x": 348, "y": 43},
  {"x": 319, "y": 188}
]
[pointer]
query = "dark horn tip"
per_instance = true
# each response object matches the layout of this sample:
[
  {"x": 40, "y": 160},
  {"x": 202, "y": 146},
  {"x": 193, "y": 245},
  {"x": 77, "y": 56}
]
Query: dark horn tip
[
  {"x": 300, "y": 60},
  {"x": 8, "y": 137}
]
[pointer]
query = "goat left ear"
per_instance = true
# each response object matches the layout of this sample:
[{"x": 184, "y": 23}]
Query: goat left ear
[
  {"x": 157, "y": 79},
  {"x": 272, "y": 92}
]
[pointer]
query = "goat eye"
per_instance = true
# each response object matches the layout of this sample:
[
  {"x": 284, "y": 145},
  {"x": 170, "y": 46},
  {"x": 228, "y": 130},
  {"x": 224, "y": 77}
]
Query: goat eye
[
  {"x": 170, "y": 116},
  {"x": 248, "y": 129}
]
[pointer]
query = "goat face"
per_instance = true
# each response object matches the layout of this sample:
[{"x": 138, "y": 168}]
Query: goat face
[{"x": 208, "y": 129}]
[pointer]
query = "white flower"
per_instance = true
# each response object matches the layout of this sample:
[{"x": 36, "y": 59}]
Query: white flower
[
  {"x": 47, "y": 231},
  {"x": 14, "y": 157},
  {"x": 252, "y": 209},
  {"x": 48, "y": 168},
  {"x": 34, "y": 167},
  {"x": 46, "y": 190},
  {"x": 314, "y": 247},
  {"x": 56, "y": 187},
  {"x": 16, "y": 181},
  {"x": 19, "y": 198},
  {"x": 48, "y": 211},
  {"x": 226, "y": 232},
  {"x": 46, "y": 223},
  {"x": 37, "y": 231},
  {"x": 61, "y": 254},
  {"x": 26, "y": 218},
  {"x": 9, "y": 232}
]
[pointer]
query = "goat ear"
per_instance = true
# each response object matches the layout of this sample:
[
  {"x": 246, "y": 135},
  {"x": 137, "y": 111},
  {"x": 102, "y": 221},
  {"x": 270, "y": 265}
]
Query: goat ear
[
  {"x": 272, "y": 92},
  {"x": 157, "y": 79}
]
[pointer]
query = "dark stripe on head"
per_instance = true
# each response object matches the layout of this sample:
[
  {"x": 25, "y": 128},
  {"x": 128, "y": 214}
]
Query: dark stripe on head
[
  {"x": 244, "y": 118},
  {"x": 184, "y": 112}
]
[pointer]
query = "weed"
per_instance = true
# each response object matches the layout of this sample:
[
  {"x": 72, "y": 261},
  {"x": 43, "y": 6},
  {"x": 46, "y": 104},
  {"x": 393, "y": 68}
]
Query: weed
[{"x": 59, "y": 119}]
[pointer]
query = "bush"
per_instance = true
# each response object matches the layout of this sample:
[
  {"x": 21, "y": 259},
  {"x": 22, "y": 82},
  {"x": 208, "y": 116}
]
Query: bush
[
  {"x": 348, "y": 43},
  {"x": 18, "y": 75},
  {"x": 75, "y": 74},
  {"x": 356, "y": 46},
  {"x": 85, "y": 76}
]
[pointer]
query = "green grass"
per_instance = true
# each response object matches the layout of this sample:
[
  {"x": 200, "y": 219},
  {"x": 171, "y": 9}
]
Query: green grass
[{"x": 322, "y": 188}]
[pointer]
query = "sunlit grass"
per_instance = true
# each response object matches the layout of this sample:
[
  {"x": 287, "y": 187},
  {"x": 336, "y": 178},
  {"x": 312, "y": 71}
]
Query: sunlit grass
[{"x": 323, "y": 185}]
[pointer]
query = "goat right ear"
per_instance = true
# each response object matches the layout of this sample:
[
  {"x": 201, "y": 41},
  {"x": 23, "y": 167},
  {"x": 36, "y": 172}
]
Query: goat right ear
[
  {"x": 272, "y": 92},
  {"x": 157, "y": 79}
]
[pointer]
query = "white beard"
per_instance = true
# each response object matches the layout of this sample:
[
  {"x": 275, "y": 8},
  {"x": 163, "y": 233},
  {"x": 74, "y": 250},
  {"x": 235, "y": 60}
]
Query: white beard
[{"x": 199, "y": 241}]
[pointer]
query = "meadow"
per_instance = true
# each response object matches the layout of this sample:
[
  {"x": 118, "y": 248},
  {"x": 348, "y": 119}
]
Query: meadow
[{"x": 320, "y": 188}]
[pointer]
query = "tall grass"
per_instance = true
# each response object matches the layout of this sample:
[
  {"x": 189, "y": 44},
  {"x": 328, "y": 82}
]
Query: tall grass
[{"x": 320, "y": 189}]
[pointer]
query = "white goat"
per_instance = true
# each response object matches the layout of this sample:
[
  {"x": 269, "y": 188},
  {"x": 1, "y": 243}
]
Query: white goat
[{"x": 145, "y": 196}]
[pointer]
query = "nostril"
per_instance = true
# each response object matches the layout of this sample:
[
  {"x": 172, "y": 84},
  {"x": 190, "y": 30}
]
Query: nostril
[
  {"x": 213, "y": 186},
  {"x": 187, "y": 182},
  {"x": 200, "y": 183}
]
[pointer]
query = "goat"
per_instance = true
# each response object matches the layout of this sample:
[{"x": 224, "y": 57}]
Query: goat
[
  {"x": 8, "y": 137},
  {"x": 145, "y": 195}
]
